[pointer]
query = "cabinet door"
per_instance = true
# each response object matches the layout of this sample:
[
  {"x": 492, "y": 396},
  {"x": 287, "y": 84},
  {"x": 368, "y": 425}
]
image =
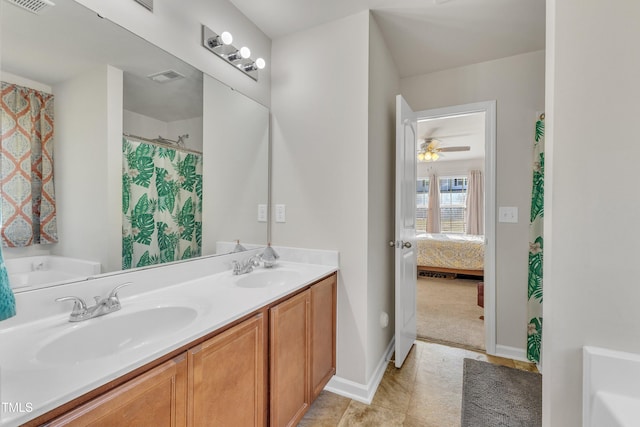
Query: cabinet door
[
  {"x": 227, "y": 381},
  {"x": 289, "y": 351},
  {"x": 156, "y": 398},
  {"x": 323, "y": 334}
]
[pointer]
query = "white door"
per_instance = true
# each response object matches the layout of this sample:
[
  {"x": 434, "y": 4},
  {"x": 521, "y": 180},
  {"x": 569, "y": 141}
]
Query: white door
[{"x": 405, "y": 229}]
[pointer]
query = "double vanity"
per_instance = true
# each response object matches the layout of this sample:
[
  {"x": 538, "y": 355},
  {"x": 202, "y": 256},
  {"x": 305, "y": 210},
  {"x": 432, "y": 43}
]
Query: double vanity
[{"x": 193, "y": 344}]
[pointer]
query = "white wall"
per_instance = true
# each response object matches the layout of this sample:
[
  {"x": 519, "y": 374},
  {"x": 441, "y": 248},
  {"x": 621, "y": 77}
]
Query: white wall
[
  {"x": 88, "y": 167},
  {"x": 591, "y": 251},
  {"x": 22, "y": 81},
  {"x": 517, "y": 83},
  {"x": 384, "y": 85},
  {"x": 449, "y": 168},
  {"x": 144, "y": 126},
  {"x": 148, "y": 127},
  {"x": 191, "y": 127},
  {"x": 235, "y": 179},
  {"x": 175, "y": 26},
  {"x": 320, "y": 163}
]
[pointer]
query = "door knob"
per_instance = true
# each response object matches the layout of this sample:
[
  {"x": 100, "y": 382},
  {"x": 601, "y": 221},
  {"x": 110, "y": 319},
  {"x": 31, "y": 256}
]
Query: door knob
[
  {"x": 392, "y": 244},
  {"x": 407, "y": 245}
]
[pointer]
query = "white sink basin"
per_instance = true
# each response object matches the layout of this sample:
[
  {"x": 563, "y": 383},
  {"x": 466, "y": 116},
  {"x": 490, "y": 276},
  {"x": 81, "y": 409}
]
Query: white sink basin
[
  {"x": 112, "y": 333},
  {"x": 266, "y": 278}
]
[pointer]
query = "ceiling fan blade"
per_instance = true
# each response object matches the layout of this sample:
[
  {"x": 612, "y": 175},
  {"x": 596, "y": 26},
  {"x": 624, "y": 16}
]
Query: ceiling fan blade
[{"x": 451, "y": 149}]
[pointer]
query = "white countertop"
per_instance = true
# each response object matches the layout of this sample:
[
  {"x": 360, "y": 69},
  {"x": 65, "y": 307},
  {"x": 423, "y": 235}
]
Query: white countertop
[{"x": 44, "y": 385}]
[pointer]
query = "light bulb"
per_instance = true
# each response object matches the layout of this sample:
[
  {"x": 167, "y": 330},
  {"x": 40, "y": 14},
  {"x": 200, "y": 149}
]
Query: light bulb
[
  {"x": 421, "y": 157},
  {"x": 435, "y": 156},
  {"x": 245, "y": 52},
  {"x": 427, "y": 155},
  {"x": 226, "y": 37},
  {"x": 260, "y": 63}
]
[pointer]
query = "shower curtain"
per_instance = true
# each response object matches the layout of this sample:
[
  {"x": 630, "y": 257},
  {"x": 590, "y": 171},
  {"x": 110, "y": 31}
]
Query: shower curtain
[
  {"x": 26, "y": 174},
  {"x": 161, "y": 204},
  {"x": 536, "y": 244}
]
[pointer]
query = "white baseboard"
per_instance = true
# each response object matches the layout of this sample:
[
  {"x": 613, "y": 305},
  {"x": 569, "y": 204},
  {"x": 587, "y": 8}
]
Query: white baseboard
[
  {"x": 511, "y": 352},
  {"x": 362, "y": 392}
]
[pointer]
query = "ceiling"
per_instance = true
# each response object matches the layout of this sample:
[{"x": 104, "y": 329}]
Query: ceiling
[
  {"x": 424, "y": 36},
  {"x": 462, "y": 130},
  {"x": 69, "y": 39}
]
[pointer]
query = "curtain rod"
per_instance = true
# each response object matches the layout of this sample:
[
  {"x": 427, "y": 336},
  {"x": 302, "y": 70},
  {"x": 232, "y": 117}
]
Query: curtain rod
[{"x": 161, "y": 143}]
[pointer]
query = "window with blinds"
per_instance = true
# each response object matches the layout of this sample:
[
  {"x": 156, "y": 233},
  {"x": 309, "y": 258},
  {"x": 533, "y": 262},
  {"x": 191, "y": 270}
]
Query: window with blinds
[
  {"x": 453, "y": 204},
  {"x": 422, "y": 204}
]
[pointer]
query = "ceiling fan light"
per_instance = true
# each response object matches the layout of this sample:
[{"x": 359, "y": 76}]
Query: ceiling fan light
[
  {"x": 421, "y": 157},
  {"x": 435, "y": 156},
  {"x": 427, "y": 155}
]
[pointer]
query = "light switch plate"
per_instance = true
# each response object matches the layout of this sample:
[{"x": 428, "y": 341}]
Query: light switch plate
[
  {"x": 508, "y": 214},
  {"x": 281, "y": 213},
  {"x": 262, "y": 213}
]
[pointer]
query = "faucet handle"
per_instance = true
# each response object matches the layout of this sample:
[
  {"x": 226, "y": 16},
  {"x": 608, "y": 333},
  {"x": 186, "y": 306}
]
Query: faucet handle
[
  {"x": 79, "y": 306},
  {"x": 114, "y": 292}
]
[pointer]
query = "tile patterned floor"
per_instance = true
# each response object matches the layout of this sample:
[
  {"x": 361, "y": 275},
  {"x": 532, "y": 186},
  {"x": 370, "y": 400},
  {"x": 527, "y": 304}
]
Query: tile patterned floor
[{"x": 426, "y": 392}]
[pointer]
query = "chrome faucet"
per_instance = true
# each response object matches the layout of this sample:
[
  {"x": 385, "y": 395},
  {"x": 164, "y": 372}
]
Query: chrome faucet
[
  {"x": 103, "y": 306},
  {"x": 246, "y": 266}
]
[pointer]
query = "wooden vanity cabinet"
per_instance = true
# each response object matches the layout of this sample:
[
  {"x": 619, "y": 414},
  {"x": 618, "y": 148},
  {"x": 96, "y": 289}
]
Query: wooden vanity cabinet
[
  {"x": 289, "y": 343},
  {"x": 265, "y": 370},
  {"x": 302, "y": 351},
  {"x": 156, "y": 398},
  {"x": 323, "y": 334},
  {"x": 228, "y": 377}
]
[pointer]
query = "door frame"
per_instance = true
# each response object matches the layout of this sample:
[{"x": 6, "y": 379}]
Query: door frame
[{"x": 489, "y": 108}]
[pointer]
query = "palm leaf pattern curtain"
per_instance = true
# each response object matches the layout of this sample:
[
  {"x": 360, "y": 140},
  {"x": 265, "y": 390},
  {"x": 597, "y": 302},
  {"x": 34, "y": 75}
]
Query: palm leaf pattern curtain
[
  {"x": 161, "y": 204},
  {"x": 26, "y": 172},
  {"x": 536, "y": 245}
]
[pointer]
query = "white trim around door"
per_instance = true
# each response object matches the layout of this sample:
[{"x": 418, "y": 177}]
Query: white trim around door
[{"x": 489, "y": 108}]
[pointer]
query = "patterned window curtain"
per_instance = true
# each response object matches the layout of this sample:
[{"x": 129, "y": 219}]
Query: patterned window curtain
[
  {"x": 536, "y": 244},
  {"x": 161, "y": 204},
  {"x": 26, "y": 172}
]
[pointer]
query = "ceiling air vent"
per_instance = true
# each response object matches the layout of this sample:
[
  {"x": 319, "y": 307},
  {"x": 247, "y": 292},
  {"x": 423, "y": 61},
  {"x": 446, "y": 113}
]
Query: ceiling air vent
[
  {"x": 148, "y": 4},
  {"x": 33, "y": 6},
  {"x": 165, "y": 76}
]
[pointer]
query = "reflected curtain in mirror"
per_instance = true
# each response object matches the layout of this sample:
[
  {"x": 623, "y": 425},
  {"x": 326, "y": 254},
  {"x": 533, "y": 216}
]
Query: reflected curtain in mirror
[
  {"x": 161, "y": 204},
  {"x": 26, "y": 173}
]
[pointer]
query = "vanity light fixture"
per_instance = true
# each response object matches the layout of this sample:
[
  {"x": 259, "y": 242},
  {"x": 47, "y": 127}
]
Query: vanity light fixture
[
  {"x": 220, "y": 45},
  {"x": 243, "y": 53},
  {"x": 219, "y": 40},
  {"x": 256, "y": 65}
]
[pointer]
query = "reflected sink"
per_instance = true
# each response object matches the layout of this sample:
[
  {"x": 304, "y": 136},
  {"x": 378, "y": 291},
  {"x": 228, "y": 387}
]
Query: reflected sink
[
  {"x": 105, "y": 336},
  {"x": 266, "y": 278}
]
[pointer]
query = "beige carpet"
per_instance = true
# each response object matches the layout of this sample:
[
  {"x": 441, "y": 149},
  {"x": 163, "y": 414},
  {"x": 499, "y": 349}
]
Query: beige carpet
[{"x": 448, "y": 312}]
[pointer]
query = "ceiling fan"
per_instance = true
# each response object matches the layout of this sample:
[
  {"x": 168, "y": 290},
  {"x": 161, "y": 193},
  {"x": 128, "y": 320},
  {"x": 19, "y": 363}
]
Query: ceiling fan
[{"x": 430, "y": 150}]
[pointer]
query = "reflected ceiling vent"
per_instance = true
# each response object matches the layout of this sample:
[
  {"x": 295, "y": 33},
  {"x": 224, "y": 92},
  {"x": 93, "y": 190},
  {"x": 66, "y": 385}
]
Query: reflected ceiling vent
[
  {"x": 148, "y": 4},
  {"x": 166, "y": 76},
  {"x": 33, "y": 6}
]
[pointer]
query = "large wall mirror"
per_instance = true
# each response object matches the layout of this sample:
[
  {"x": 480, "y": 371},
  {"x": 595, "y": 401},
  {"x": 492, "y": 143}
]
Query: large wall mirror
[{"x": 136, "y": 131}]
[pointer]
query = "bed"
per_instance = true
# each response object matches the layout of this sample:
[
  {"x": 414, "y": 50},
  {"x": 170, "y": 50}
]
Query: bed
[{"x": 451, "y": 253}]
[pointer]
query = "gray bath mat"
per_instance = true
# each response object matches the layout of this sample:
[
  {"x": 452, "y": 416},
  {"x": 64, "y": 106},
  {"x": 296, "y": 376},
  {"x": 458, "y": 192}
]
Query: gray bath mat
[{"x": 498, "y": 396}]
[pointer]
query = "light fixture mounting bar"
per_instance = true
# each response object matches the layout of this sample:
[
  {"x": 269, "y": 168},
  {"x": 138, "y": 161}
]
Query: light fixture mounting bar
[{"x": 225, "y": 51}]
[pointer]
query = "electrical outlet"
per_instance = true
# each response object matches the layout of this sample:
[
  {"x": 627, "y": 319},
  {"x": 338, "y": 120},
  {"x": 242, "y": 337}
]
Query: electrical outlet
[
  {"x": 281, "y": 213},
  {"x": 262, "y": 213}
]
